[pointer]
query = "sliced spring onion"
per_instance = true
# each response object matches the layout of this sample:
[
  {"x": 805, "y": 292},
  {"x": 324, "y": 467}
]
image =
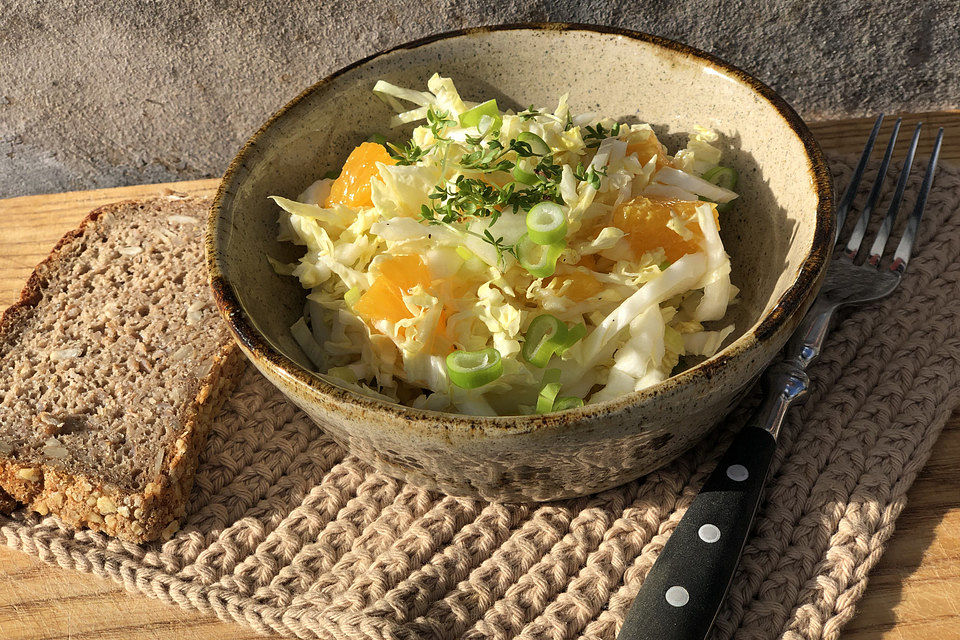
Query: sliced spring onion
[
  {"x": 331, "y": 175},
  {"x": 574, "y": 335},
  {"x": 352, "y": 296},
  {"x": 472, "y": 369},
  {"x": 725, "y": 177},
  {"x": 343, "y": 373},
  {"x": 547, "y": 223},
  {"x": 281, "y": 268},
  {"x": 545, "y": 336},
  {"x": 538, "y": 259},
  {"x": 472, "y": 117},
  {"x": 523, "y": 172},
  {"x": 548, "y": 391},
  {"x": 567, "y": 402},
  {"x": 537, "y": 145},
  {"x": 488, "y": 124},
  {"x": 378, "y": 138}
]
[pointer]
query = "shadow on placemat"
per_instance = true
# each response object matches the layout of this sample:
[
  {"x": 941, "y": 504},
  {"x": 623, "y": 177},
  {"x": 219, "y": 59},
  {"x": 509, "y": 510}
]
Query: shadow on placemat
[{"x": 288, "y": 534}]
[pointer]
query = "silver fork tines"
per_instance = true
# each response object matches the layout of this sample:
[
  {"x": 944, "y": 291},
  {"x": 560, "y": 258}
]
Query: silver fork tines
[
  {"x": 876, "y": 250},
  {"x": 904, "y": 248},
  {"x": 902, "y": 255},
  {"x": 853, "y": 246},
  {"x": 847, "y": 282},
  {"x": 844, "y": 205}
]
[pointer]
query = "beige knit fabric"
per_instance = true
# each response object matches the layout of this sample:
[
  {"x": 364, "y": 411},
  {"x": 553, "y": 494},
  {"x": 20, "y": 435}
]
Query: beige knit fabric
[{"x": 288, "y": 534}]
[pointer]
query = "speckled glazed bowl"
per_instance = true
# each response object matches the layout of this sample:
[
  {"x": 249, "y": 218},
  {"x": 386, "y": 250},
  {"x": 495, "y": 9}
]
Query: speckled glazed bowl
[{"x": 778, "y": 236}]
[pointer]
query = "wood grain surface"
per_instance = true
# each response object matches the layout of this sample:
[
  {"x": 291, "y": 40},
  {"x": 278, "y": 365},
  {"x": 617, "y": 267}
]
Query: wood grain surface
[{"x": 914, "y": 593}]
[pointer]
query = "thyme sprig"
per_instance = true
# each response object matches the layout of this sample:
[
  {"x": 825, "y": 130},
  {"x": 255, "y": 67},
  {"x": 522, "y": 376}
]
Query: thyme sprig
[
  {"x": 456, "y": 202},
  {"x": 595, "y": 135},
  {"x": 411, "y": 153}
]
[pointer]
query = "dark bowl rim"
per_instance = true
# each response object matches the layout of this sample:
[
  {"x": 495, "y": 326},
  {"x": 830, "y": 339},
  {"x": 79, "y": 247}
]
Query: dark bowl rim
[{"x": 791, "y": 302}]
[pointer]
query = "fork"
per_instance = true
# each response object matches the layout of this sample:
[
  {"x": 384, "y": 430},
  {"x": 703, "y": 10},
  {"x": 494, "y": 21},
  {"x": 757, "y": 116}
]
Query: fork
[{"x": 682, "y": 594}]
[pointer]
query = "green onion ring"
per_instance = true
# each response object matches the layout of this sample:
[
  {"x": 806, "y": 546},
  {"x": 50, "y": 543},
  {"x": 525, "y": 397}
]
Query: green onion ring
[
  {"x": 725, "y": 177},
  {"x": 548, "y": 391},
  {"x": 471, "y": 117},
  {"x": 539, "y": 260},
  {"x": 537, "y": 145},
  {"x": 546, "y": 223},
  {"x": 523, "y": 172},
  {"x": 567, "y": 402},
  {"x": 545, "y": 336},
  {"x": 473, "y": 369},
  {"x": 574, "y": 335}
]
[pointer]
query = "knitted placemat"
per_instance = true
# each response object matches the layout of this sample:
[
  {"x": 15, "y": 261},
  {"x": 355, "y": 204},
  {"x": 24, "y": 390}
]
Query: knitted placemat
[{"x": 289, "y": 534}]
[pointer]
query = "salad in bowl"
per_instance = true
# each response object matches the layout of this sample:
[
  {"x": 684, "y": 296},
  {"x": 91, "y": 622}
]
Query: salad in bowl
[{"x": 510, "y": 263}]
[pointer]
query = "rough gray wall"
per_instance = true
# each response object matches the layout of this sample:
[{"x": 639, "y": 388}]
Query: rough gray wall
[{"x": 98, "y": 93}]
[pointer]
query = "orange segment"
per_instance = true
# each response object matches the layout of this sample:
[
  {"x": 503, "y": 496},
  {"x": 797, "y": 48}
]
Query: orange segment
[
  {"x": 644, "y": 220},
  {"x": 647, "y": 149},
  {"x": 384, "y": 299},
  {"x": 582, "y": 284},
  {"x": 439, "y": 342},
  {"x": 406, "y": 271},
  {"x": 589, "y": 261},
  {"x": 352, "y": 188}
]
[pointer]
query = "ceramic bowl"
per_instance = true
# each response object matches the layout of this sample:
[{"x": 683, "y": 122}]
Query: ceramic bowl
[{"x": 778, "y": 235}]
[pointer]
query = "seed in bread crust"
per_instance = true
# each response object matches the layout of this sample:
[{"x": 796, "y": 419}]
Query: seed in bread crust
[
  {"x": 30, "y": 474},
  {"x": 105, "y": 505}
]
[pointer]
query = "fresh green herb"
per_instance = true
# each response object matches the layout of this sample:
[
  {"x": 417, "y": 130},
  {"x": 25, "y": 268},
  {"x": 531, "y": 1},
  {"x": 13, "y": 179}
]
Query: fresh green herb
[
  {"x": 595, "y": 135},
  {"x": 466, "y": 197},
  {"x": 408, "y": 154},
  {"x": 438, "y": 121},
  {"x": 530, "y": 113},
  {"x": 527, "y": 157},
  {"x": 487, "y": 158},
  {"x": 498, "y": 244},
  {"x": 589, "y": 175}
]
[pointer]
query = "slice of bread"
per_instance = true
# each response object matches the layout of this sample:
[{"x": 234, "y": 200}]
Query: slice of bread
[
  {"x": 112, "y": 364},
  {"x": 7, "y": 504}
]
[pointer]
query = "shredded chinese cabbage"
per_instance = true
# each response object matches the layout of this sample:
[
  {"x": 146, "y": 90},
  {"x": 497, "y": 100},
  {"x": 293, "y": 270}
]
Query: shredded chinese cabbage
[{"x": 415, "y": 251}]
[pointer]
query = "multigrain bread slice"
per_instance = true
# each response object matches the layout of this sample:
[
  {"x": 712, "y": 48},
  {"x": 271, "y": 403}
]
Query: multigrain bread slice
[
  {"x": 7, "y": 503},
  {"x": 112, "y": 365}
]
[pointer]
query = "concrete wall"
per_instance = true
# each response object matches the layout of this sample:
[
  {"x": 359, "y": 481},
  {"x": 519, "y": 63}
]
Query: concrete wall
[{"x": 98, "y": 93}]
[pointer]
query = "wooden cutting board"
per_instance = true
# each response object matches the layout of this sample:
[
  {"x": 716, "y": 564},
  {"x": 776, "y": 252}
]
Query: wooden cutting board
[{"x": 913, "y": 594}]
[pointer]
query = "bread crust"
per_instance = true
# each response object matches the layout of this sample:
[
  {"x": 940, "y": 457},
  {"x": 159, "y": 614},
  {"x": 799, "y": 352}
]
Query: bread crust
[
  {"x": 84, "y": 501},
  {"x": 7, "y": 504}
]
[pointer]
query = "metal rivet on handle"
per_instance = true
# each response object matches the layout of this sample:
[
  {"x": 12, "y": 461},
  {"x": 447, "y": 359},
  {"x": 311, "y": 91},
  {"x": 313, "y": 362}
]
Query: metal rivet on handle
[
  {"x": 709, "y": 533},
  {"x": 677, "y": 596},
  {"x": 737, "y": 472}
]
